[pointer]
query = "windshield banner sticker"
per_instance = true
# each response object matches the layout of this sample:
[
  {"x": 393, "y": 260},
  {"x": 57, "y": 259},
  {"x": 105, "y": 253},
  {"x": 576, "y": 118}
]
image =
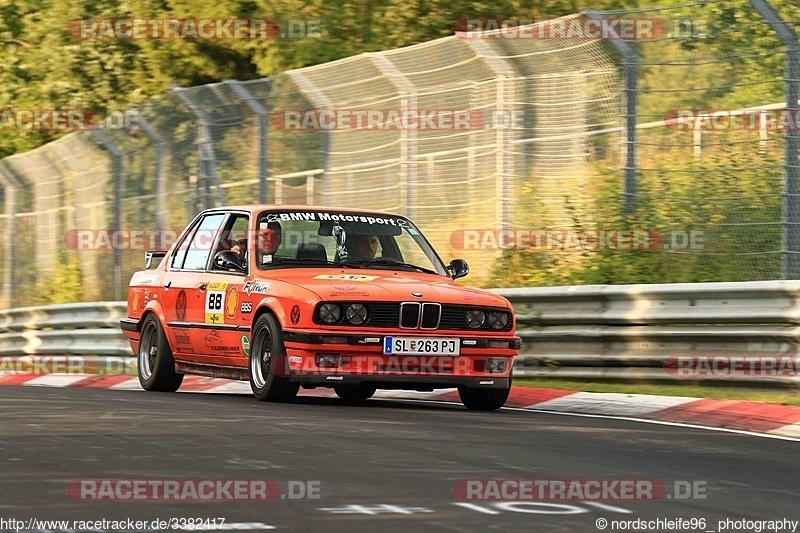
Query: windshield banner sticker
[{"x": 338, "y": 217}]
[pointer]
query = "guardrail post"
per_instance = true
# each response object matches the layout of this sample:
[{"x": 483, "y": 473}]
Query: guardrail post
[
  {"x": 116, "y": 179},
  {"x": 206, "y": 157},
  {"x": 260, "y": 111},
  {"x": 630, "y": 69},
  {"x": 791, "y": 179}
]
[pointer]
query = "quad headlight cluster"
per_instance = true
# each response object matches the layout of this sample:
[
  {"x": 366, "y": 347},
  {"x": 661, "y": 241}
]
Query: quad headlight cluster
[
  {"x": 355, "y": 313},
  {"x": 478, "y": 318}
]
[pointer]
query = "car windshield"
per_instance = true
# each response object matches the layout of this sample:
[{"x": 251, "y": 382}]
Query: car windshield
[{"x": 343, "y": 240}]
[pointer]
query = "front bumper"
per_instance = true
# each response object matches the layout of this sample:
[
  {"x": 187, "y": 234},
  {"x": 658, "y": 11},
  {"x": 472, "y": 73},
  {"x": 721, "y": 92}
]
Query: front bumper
[
  {"x": 330, "y": 359},
  {"x": 418, "y": 383}
]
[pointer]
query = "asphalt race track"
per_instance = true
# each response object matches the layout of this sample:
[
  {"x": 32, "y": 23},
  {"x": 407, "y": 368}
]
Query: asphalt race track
[{"x": 385, "y": 464}]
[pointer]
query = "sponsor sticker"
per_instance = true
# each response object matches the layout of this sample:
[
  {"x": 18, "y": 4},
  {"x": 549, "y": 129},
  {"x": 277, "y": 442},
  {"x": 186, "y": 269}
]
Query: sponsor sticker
[
  {"x": 180, "y": 306},
  {"x": 247, "y": 308},
  {"x": 144, "y": 279},
  {"x": 231, "y": 302},
  {"x": 295, "y": 359},
  {"x": 346, "y": 277},
  {"x": 182, "y": 340},
  {"x": 256, "y": 287},
  {"x": 246, "y": 345},
  {"x": 295, "y": 314}
]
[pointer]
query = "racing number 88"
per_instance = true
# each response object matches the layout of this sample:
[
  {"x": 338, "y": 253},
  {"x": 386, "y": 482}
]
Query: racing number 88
[{"x": 215, "y": 301}]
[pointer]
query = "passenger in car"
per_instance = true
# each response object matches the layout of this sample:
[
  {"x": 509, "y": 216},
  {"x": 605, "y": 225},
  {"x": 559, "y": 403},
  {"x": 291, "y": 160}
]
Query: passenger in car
[{"x": 365, "y": 247}]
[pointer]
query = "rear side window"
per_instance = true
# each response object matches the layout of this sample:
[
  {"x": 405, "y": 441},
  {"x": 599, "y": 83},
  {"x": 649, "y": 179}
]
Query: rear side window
[{"x": 202, "y": 242}]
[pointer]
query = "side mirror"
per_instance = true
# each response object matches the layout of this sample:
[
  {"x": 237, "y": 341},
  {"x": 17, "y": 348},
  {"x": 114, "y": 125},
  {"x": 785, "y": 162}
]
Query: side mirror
[
  {"x": 458, "y": 268},
  {"x": 227, "y": 260}
]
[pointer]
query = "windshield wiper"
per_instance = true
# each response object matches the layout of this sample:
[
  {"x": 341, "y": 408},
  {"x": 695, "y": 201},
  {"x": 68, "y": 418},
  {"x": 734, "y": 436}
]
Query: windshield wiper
[
  {"x": 306, "y": 261},
  {"x": 382, "y": 261}
]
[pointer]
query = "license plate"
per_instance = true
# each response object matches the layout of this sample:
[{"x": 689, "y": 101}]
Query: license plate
[{"x": 420, "y": 345}]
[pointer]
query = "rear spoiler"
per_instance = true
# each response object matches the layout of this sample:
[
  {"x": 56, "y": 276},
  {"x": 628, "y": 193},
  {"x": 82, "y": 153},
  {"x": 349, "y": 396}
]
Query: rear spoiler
[{"x": 153, "y": 254}]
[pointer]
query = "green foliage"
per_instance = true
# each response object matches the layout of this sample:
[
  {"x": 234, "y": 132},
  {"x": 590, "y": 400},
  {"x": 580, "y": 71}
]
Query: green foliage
[{"x": 64, "y": 286}]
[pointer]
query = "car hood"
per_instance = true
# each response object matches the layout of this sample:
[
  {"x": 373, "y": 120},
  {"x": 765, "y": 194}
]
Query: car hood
[{"x": 385, "y": 285}]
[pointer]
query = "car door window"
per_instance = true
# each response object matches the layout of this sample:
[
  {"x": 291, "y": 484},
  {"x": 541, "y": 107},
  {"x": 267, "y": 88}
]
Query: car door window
[
  {"x": 234, "y": 237},
  {"x": 203, "y": 242}
]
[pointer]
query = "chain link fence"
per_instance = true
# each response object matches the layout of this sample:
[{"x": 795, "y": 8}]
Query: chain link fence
[{"x": 536, "y": 141}]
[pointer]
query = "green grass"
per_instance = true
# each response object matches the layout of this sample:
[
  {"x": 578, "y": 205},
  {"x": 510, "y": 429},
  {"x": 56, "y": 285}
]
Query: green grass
[{"x": 777, "y": 396}]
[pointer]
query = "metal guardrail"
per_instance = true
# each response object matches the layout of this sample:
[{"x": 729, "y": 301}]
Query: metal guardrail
[
  {"x": 90, "y": 328},
  {"x": 596, "y": 332},
  {"x": 723, "y": 332}
]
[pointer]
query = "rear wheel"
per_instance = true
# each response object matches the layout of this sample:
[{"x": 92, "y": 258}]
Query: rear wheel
[
  {"x": 483, "y": 399},
  {"x": 269, "y": 378},
  {"x": 354, "y": 392},
  {"x": 156, "y": 365}
]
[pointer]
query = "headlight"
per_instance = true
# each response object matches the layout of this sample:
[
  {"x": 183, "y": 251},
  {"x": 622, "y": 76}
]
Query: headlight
[
  {"x": 474, "y": 318},
  {"x": 356, "y": 314},
  {"x": 330, "y": 313},
  {"x": 497, "y": 319}
]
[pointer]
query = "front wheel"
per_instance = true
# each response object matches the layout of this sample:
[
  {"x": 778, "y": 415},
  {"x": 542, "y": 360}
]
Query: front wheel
[
  {"x": 269, "y": 379},
  {"x": 483, "y": 399},
  {"x": 156, "y": 367},
  {"x": 354, "y": 392}
]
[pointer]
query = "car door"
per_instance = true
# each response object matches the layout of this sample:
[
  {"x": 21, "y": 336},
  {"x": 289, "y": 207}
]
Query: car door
[
  {"x": 225, "y": 333},
  {"x": 184, "y": 292}
]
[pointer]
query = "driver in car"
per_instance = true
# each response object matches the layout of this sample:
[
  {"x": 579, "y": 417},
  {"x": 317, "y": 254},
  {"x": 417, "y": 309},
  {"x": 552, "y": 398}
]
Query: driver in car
[{"x": 269, "y": 239}]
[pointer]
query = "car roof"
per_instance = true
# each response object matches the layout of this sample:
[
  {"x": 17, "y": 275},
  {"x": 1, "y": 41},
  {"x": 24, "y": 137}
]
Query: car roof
[{"x": 254, "y": 208}]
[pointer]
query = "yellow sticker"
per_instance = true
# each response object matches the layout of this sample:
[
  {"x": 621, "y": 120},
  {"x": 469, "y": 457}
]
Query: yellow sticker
[
  {"x": 215, "y": 295},
  {"x": 346, "y": 277}
]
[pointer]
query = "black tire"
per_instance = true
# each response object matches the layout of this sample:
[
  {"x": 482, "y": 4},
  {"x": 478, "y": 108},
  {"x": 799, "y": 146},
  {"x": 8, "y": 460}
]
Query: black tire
[
  {"x": 268, "y": 366},
  {"x": 354, "y": 392},
  {"x": 483, "y": 399},
  {"x": 156, "y": 366}
]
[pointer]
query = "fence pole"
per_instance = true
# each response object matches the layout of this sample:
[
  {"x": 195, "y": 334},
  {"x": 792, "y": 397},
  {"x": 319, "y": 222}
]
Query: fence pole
[
  {"x": 206, "y": 157},
  {"x": 630, "y": 69},
  {"x": 408, "y": 136},
  {"x": 116, "y": 178},
  {"x": 160, "y": 186},
  {"x": 261, "y": 112},
  {"x": 319, "y": 100},
  {"x": 10, "y": 186},
  {"x": 504, "y": 150},
  {"x": 791, "y": 182}
]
